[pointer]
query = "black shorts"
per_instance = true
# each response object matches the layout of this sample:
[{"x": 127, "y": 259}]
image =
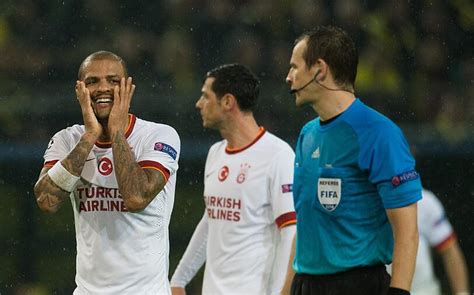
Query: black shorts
[{"x": 370, "y": 280}]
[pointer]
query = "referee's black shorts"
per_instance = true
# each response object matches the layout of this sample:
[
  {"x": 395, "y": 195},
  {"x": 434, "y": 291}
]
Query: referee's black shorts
[{"x": 370, "y": 280}]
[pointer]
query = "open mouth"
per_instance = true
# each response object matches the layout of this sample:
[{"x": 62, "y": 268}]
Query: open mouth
[{"x": 104, "y": 100}]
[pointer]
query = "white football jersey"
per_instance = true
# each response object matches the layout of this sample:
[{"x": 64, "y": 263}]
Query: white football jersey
[
  {"x": 248, "y": 196},
  {"x": 436, "y": 232},
  {"x": 119, "y": 252}
]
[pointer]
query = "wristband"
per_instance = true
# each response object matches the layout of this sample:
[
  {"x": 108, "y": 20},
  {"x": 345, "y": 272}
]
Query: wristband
[
  {"x": 397, "y": 291},
  {"x": 63, "y": 178}
]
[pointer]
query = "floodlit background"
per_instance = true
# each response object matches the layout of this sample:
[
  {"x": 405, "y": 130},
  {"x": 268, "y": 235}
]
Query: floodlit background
[{"x": 416, "y": 66}]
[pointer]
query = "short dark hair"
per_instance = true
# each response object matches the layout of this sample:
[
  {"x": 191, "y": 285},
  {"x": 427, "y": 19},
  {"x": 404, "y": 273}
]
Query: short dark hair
[
  {"x": 101, "y": 55},
  {"x": 336, "y": 48},
  {"x": 237, "y": 80}
]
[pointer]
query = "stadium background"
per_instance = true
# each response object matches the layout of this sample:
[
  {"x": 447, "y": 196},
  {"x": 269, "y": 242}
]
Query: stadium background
[{"x": 416, "y": 66}]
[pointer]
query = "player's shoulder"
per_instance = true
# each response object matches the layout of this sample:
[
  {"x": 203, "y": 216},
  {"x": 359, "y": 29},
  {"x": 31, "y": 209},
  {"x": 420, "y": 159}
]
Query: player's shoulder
[
  {"x": 429, "y": 200},
  {"x": 430, "y": 211},
  {"x": 275, "y": 143},
  {"x": 218, "y": 146},
  {"x": 145, "y": 127},
  {"x": 73, "y": 131}
]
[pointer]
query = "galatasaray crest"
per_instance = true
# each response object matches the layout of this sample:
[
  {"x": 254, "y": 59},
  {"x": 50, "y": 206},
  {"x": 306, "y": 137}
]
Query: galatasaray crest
[{"x": 244, "y": 168}]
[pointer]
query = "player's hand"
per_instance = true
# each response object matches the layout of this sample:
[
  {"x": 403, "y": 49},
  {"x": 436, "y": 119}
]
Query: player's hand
[
  {"x": 118, "y": 118},
  {"x": 178, "y": 291},
  {"x": 91, "y": 123}
]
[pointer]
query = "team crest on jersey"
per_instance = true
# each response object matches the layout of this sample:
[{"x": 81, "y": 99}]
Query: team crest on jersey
[
  {"x": 223, "y": 173},
  {"x": 244, "y": 168},
  {"x": 105, "y": 166},
  {"x": 329, "y": 193}
]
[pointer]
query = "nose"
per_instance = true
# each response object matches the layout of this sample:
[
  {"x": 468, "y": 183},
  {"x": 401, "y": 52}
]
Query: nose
[
  {"x": 198, "y": 104},
  {"x": 103, "y": 85},
  {"x": 288, "y": 78}
]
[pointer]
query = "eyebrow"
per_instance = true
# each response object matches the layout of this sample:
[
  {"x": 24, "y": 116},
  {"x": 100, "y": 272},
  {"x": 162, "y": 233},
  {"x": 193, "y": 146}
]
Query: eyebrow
[{"x": 107, "y": 77}]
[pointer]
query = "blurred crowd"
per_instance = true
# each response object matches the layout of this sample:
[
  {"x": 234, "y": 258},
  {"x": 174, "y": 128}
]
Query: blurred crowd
[{"x": 416, "y": 63}]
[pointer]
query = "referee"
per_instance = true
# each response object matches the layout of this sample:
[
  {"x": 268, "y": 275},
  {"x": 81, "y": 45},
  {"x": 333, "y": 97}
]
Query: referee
[{"x": 355, "y": 185}]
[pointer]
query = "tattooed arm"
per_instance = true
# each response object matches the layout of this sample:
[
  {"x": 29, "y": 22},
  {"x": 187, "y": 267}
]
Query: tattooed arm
[
  {"x": 50, "y": 196},
  {"x": 137, "y": 186}
]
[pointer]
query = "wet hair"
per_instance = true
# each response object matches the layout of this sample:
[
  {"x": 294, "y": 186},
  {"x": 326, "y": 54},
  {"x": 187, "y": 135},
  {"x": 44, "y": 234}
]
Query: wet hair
[
  {"x": 237, "y": 80},
  {"x": 101, "y": 55},
  {"x": 336, "y": 48}
]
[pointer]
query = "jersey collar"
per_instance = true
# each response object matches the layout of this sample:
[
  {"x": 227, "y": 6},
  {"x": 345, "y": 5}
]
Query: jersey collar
[
  {"x": 228, "y": 150},
  {"x": 131, "y": 123}
]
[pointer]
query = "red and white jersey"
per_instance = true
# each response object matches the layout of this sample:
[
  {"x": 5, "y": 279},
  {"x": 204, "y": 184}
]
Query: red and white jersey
[
  {"x": 119, "y": 252},
  {"x": 248, "y": 196},
  {"x": 435, "y": 233}
]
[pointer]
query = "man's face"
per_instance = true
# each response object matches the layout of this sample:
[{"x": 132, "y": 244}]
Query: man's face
[
  {"x": 299, "y": 74},
  {"x": 210, "y": 106},
  {"x": 100, "y": 77}
]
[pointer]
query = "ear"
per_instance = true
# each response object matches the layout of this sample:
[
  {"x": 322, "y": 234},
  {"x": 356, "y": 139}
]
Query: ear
[
  {"x": 321, "y": 68},
  {"x": 228, "y": 101}
]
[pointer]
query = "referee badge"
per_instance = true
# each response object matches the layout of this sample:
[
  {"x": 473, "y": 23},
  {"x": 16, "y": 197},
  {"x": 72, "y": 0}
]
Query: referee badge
[{"x": 329, "y": 193}]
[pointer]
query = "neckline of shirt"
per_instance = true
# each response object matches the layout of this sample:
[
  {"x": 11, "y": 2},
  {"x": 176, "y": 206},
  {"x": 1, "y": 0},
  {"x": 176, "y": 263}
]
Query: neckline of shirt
[
  {"x": 131, "y": 124},
  {"x": 261, "y": 131},
  {"x": 325, "y": 125}
]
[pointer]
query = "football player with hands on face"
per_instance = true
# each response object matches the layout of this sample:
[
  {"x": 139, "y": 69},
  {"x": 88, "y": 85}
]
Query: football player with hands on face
[
  {"x": 119, "y": 172},
  {"x": 120, "y": 99}
]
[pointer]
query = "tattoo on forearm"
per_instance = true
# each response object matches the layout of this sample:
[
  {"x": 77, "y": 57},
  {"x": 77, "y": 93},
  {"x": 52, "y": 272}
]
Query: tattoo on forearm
[
  {"x": 53, "y": 201},
  {"x": 49, "y": 195},
  {"x": 133, "y": 181},
  {"x": 129, "y": 175},
  {"x": 76, "y": 159}
]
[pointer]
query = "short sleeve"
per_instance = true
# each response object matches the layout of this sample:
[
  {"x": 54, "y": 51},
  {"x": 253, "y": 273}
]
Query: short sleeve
[
  {"x": 433, "y": 223},
  {"x": 160, "y": 151},
  {"x": 281, "y": 188},
  {"x": 391, "y": 166},
  {"x": 58, "y": 148}
]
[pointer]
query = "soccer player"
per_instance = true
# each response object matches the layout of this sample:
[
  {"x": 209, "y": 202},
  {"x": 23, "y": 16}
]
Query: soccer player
[
  {"x": 245, "y": 234},
  {"x": 355, "y": 187},
  {"x": 119, "y": 172},
  {"x": 436, "y": 232}
]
